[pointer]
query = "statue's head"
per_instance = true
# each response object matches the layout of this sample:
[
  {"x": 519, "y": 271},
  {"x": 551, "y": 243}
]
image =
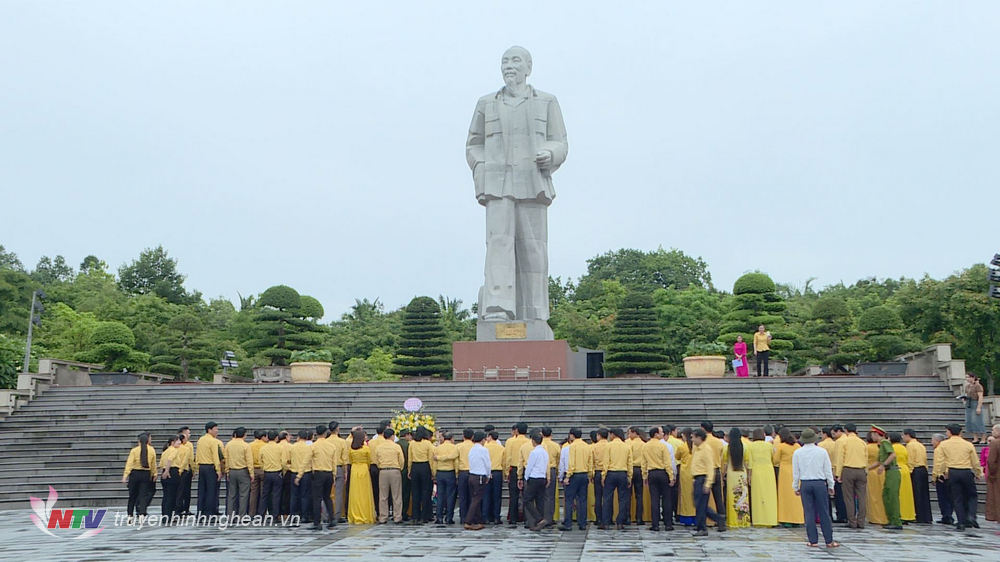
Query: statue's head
[{"x": 515, "y": 66}]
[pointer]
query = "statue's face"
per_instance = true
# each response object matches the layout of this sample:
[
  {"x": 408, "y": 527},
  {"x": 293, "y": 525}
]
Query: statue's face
[{"x": 515, "y": 66}]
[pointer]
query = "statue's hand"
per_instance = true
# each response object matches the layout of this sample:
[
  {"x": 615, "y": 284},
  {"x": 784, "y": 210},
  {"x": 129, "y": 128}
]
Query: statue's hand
[{"x": 543, "y": 158}]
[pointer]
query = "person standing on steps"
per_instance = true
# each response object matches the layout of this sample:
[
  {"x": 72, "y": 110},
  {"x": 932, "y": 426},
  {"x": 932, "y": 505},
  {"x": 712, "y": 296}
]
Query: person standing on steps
[
  {"x": 762, "y": 349},
  {"x": 973, "y": 397}
]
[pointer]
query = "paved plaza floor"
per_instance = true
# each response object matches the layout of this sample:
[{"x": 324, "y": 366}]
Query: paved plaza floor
[{"x": 23, "y": 541}]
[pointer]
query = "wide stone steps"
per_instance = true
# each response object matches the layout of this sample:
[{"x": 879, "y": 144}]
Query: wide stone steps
[{"x": 76, "y": 439}]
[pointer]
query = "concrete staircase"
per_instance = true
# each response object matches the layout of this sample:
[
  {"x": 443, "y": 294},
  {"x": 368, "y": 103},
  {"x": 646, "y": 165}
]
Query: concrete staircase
[{"x": 77, "y": 438}]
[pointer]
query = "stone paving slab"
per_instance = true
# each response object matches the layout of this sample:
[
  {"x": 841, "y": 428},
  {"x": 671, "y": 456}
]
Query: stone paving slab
[{"x": 22, "y": 541}]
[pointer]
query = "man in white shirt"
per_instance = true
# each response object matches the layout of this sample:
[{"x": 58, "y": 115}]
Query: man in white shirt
[
  {"x": 812, "y": 479},
  {"x": 536, "y": 479},
  {"x": 479, "y": 477},
  {"x": 564, "y": 467}
]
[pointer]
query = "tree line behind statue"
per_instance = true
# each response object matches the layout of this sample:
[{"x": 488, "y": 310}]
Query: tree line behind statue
[{"x": 647, "y": 309}]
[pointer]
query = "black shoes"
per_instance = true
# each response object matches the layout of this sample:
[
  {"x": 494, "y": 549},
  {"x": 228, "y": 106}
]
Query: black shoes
[
  {"x": 701, "y": 533},
  {"x": 331, "y": 525},
  {"x": 654, "y": 528}
]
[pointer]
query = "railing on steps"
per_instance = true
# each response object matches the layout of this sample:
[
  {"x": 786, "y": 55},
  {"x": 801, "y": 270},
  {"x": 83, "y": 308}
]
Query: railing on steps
[{"x": 510, "y": 374}]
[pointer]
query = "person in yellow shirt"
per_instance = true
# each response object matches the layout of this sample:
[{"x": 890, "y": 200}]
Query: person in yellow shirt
[
  {"x": 139, "y": 475},
  {"x": 703, "y": 470},
  {"x": 172, "y": 456},
  {"x": 599, "y": 450},
  {"x": 579, "y": 473},
  {"x": 494, "y": 488},
  {"x": 851, "y": 471},
  {"x": 322, "y": 460},
  {"x": 340, "y": 462},
  {"x": 635, "y": 472},
  {"x": 512, "y": 458},
  {"x": 446, "y": 458},
  {"x": 917, "y": 461},
  {"x": 828, "y": 443},
  {"x": 376, "y": 441},
  {"x": 955, "y": 460},
  {"x": 615, "y": 478},
  {"x": 657, "y": 468},
  {"x": 208, "y": 456},
  {"x": 300, "y": 459},
  {"x": 463, "y": 473},
  {"x": 716, "y": 446},
  {"x": 389, "y": 458},
  {"x": 239, "y": 462},
  {"x": 762, "y": 348},
  {"x": 273, "y": 460},
  {"x": 837, "y": 433},
  {"x": 187, "y": 473},
  {"x": 421, "y": 469},
  {"x": 285, "y": 442},
  {"x": 553, "y": 449},
  {"x": 259, "y": 439}
]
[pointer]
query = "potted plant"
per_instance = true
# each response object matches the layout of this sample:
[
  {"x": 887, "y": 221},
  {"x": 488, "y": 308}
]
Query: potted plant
[
  {"x": 705, "y": 359},
  {"x": 311, "y": 366}
]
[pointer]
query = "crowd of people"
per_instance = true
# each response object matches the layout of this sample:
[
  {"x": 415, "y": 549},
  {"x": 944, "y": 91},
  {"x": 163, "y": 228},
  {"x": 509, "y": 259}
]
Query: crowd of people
[{"x": 665, "y": 475}]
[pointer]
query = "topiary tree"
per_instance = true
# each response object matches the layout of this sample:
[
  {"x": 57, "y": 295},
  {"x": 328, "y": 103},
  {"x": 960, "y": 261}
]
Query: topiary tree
[
  {"x": 113, "y": 344},
  {"x": 423, "y": 347},
  {"x": 184, "y": 350},
  {"x": 881, "y": 325},
  {"x": 829, "y": 337},
  {"x": 636, "y": 344},
  {"x": 287, "y": 324},
  {"x": 755, "y": 302}
]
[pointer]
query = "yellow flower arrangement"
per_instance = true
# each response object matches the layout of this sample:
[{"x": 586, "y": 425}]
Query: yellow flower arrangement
[{"x": 412, "y": 420}]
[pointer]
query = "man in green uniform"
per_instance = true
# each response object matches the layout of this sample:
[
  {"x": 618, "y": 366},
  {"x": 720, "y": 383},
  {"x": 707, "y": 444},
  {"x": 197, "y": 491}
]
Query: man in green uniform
[{"x": 890, "y": 490}]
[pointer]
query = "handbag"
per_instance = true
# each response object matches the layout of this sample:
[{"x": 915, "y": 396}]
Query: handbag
[{"x": 737, "y": 363}]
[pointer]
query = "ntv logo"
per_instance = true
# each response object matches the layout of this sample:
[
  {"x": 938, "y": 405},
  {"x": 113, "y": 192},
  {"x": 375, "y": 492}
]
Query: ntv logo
[{"x": 45, "y": 518}]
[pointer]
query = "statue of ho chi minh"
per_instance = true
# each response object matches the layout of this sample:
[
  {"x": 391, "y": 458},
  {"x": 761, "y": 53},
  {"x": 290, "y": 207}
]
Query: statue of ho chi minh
[{"x": 517, "y": 139}]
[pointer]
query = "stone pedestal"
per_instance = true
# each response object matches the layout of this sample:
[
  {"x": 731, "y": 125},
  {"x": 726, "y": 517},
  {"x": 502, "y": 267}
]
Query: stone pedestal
[
  {"x": 515, "y": 330},
  {"x": 512, "y": 360}
]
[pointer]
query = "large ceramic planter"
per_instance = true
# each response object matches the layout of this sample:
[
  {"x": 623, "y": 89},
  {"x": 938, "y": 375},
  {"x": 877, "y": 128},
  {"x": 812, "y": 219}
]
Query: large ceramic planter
[
  {"x": 704, "y": 366},
  {"x": 311, "y": 371}
]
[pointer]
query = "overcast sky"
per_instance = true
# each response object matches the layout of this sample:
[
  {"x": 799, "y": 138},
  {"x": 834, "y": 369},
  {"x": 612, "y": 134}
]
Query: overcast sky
[{"x": 321, "y": 144}]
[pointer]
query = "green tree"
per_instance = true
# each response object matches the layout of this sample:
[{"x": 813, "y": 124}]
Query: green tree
[
  {"x": 15, "y": 300},
  {"x": 11, "y": 357},
  {"x": 643, "y": 271},
  {"x": 881, "y": 326},
  {"x": 49, "y": 271},
  {"x": 9, "y": 260},
  {"x": 113, "y": 345},
  {"x": 184, "y": 350},
  {"x": 283, "y": 325},
  {"x": 688, "y": 315},
  {"x": 636, "y": 344},
  {"x": 458, "y": 321},
  {"x": 828, "y": 336},
  {"x": 424, "y": 349},
  {"x": 155, "y": 273},
  {"x": 756, "y": 301},
  {"x": 66, "y": 333},
  {"x": 976, "y": 323}
]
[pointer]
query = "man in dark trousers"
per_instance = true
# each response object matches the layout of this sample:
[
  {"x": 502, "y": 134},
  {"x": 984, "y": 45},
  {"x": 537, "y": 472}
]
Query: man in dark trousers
[{"x": 405, "y": 436}]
